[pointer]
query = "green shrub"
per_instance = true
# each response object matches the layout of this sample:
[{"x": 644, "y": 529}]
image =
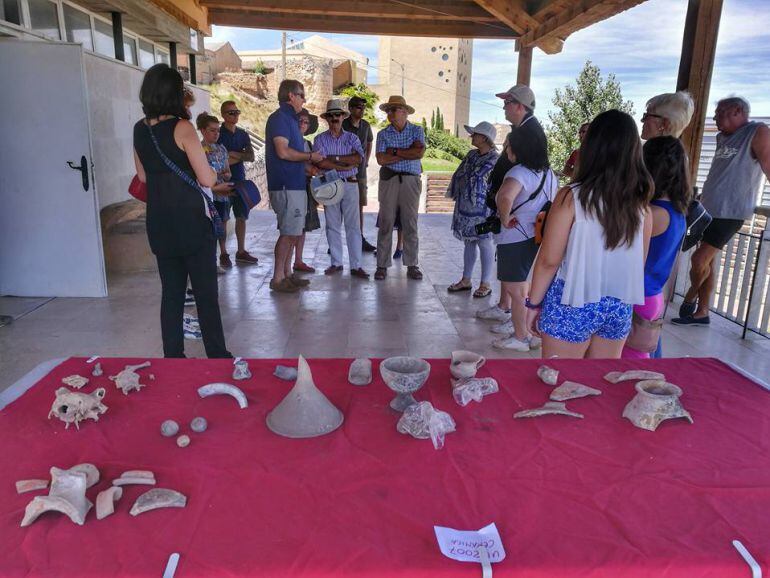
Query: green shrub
[
  {"x": 443, "y": 141},
  {"x": 435, "y": 153}
]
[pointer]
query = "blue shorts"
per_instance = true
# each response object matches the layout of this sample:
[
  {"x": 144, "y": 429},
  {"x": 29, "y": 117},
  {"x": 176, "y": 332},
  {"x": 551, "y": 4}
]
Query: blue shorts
[
  {"x": 610, "y": 318},
  {"x": 239, "y": 209}
]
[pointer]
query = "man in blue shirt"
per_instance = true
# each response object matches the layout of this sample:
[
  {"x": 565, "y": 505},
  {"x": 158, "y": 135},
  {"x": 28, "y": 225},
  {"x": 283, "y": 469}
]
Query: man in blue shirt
[
  {"x": 238, "y": 144},
  {"x": 400, "y": 147},
  {"x": 285, "y": 159}
]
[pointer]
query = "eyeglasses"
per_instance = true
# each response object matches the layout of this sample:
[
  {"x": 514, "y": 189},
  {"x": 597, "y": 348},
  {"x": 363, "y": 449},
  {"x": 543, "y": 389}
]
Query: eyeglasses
[
  {"x": 233, "y": 112},
  {"x": 647, "y": 115},
  {"x": 299, "y": 94},
  {"x": 508, "y": 101},
  {"x": 335, "y": 114}
]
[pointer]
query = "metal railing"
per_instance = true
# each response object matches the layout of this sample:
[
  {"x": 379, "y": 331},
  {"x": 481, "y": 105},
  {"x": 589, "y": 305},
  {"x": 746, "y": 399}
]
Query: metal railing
[{"x": 742, "y": 269}]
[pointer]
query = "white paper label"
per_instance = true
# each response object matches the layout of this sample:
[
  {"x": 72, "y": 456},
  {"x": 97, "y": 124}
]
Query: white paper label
[{"x": 463, "y": 545}]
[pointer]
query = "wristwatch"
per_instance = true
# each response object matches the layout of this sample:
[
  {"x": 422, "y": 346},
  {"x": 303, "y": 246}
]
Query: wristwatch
[
  {"x": 529, "y": 305},
  {"x": 337, "y": 158}
]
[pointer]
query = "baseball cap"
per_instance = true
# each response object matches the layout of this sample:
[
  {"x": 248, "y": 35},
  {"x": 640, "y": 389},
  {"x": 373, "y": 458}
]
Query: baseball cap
[{"x": 521, "y": 93}]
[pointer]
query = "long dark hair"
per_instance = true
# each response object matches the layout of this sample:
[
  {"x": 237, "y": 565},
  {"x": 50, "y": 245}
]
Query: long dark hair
[
  {"x": 162, "y": 93},
  {"x": 615, "y": 186},
  {"x": 530, "y": 145},
  {"x": 666, "y": 160}
]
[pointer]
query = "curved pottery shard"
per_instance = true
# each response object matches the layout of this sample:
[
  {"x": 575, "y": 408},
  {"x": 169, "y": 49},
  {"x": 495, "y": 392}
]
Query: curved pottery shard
[
  {"x": 92, "y": 474},
  {"x": 76, "y": 381},
  {"x": 224, "y": 389},
  {"x": 550, "y": 408},
  {"x": 360, "y": 372},
  {"x": 572, "y": 390},
  {"x": 23, "y": 486},
  {"x": 135, "y": 477},
  {"x": 74, "y": 407},
  {"x": 632, "y": 375},
  {"x": 105, "y": 502},
  {"x": 655, "y": 401},
  {"x": 305, "y": 412},
  {"x": 158, "y": 498},
  {"x": 67, "y": 496},
  {"x": 548, "y": 375},
  {"x": 128, "y": 380}
]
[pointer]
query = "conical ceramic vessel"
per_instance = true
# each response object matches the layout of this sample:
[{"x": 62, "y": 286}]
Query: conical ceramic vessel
[{"x": 305, "y": 412}]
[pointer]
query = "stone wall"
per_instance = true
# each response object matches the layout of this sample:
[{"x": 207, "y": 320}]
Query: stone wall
[
  {"x": 316, "y": 74},
  {"x": 251, "y": 83}
]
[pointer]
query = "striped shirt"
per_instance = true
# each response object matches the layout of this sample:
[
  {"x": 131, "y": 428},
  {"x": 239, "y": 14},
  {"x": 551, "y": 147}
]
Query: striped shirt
[
  {"x": 391, "y": 138},
  {"x": 345, "y": 144}
]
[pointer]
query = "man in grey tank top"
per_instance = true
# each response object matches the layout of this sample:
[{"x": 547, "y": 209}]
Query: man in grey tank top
[{"x": 741, "y": 161}]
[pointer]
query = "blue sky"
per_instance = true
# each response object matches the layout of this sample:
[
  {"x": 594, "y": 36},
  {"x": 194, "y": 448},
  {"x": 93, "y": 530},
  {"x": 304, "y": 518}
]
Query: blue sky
[{"x": 640, "y": 46}]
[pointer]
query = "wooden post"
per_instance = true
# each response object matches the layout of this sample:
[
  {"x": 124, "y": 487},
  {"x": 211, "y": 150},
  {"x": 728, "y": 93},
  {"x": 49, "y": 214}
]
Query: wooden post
[
  {"x": 172, "y": 54},
  {"x": 117, "y": 35},
  {"x": 193, "y": 69},
  {"x": 699, "y": 45},
  {"x": 524, "y": 70}
]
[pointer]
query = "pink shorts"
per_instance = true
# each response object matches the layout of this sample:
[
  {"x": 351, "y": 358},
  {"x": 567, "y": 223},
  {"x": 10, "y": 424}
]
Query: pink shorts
[{"x": 652, "y": 309}]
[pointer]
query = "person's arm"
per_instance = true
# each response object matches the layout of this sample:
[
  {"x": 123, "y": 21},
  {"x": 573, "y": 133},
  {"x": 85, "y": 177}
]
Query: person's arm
[
  {"x": 187, "y": 139},
  {"x": 369, "y": 140},
  {"x": 648, "y": 222},
  {"x": 414, "y": 153},
  {"x": 382, "y": 155},
  {"x": 139, "y": 168},
  {"x": 507, "y": 193},
  {"x": 760, "y": 147},
  {"x": 286, "y": 153}
]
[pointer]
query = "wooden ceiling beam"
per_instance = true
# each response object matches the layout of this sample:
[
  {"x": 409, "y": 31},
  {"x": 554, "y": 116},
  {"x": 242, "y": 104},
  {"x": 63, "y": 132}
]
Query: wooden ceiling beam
[
  {"x": 512, "y": 13},
  {"x": 579, "y": 15},
  {"x": 422, "y": 11},
  {"x": 355, "y": 24}
]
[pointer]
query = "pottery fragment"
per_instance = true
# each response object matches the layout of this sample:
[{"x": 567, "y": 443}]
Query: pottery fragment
[
  {"x": 285, "y": 373},
  {"x": 97, "y": 371},
  {"x": 548, "y": 375},
  {"x": 360, "y": 372},
  {"x": 466, "y": 390},
  {"x": 465, "y": 364},
  {"x": 128, "y": 380},
  {"x": 105, "y": 501},
  {"x": 224, "y": 389},
  {"x": 158, "y": 498},
  {"x": 241, "y": 369},
  {"x": 23, "y": 486},
  {"x": 550, "y": 408},
  {"x": 633, "y": 375},
  {"x": 91, "y": 472},
  {"x": 76, "y": 381},
  {"x": 67, "y": 496},
  {"x": 572, "y": 390},
  {"x": 655, "y": 401},
  {"x": 135, "y": 477}
]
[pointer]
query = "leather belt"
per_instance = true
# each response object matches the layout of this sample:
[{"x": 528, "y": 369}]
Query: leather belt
[{"x": 351, "y": 179}]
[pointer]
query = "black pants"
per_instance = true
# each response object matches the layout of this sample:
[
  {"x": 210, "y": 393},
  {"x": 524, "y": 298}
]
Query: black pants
[{"x": 201, "y": 268}]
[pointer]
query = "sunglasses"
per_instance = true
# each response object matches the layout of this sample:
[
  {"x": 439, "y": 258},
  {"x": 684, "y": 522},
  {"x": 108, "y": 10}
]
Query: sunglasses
[
  {"x": 647, "y": 115},
  {"x": 508, "y": 101},
  {"x": 233, "y": 112},
  {"x": 335, "y": 114}
]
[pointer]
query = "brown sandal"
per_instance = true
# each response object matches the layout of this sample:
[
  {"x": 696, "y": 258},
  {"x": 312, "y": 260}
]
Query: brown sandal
[
  {"x": 457, "y": 287},
  {"x": 482, "y": 291}
]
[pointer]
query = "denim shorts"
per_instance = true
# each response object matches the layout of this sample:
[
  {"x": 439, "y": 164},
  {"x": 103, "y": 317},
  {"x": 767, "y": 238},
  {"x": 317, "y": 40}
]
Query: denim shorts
[{"x": 610, "y": 318}]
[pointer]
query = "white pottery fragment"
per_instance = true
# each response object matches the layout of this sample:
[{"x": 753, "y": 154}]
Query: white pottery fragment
[
  {"x": 550, "y": 408},
  {"x": 656, "y": 400},
  {"x": 466, "y": 390},
  {"x": 183, "y": 441},
  {"x": 465, "y": 364},
  {"x": 158, "y": 498},
  {"x": 135, "y": 477},
  {"x": 422, "y": 421},
  {"x": 97, "y": 372},
  {"x": 241, "y": 370},
  {"x": 224, "y": 389},
  {"x": 74, "y": 407},
  {"x": 169, "y": 428},
  {"x": 548, "y": 375},
  {"x": 128, "y": 380},
  {"x": 105, "y": 501},
  {"x": 67, "y": 496},
  {"x": 23, "y": 486},
  {"x": 285, "y": 373},
  {"x": 633, "y": 375},
  {"x": 360, "y": 372},
  {"x": 76, "y": 381},
  {"x": 199, "y": 424},
  {"x": 572, "y": 390},
  {"x": 305, "y": 412}
]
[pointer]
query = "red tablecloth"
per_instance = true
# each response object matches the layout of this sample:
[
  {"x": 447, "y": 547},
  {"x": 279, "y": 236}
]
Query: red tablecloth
[{"x": 592, "y": 498}]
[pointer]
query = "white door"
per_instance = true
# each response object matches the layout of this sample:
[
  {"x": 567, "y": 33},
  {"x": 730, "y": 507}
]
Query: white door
[{"x": 50, "y": 235}]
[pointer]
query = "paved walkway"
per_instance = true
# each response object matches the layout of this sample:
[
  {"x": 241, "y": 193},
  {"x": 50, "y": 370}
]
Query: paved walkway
[{"x": 338, "y": 316}]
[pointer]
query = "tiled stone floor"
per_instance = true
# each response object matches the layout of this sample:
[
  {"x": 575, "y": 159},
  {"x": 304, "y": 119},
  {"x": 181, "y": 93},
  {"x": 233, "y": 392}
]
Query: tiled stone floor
[{"x": 337, "y": 316}]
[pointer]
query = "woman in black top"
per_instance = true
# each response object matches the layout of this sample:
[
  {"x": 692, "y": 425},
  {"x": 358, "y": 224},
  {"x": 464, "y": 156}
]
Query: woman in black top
[{"x": 179, "y": 230}]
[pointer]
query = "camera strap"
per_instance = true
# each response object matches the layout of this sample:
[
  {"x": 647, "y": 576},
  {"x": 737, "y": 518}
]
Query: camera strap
[{"x": 534, "y": 195}]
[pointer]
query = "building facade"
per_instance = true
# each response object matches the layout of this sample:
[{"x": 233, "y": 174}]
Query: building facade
[{"x": 431, "y": 73}]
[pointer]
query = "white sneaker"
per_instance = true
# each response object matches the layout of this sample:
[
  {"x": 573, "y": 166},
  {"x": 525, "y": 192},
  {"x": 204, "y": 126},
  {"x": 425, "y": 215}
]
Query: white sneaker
[
  {"x": 511, "y": 344},
  {"x": 494, "y": 313},
  {"x": 505, "y": 328},
  {"x": 535, "y": 342},
  {"x": 221, "y": 270}
]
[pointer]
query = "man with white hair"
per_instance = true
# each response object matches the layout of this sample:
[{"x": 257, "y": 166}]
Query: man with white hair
[{"x": 741, "y": 160}]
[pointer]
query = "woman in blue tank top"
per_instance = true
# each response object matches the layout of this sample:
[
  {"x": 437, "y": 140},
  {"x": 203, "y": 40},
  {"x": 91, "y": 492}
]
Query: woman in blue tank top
[{"x": 666, "y": 160}]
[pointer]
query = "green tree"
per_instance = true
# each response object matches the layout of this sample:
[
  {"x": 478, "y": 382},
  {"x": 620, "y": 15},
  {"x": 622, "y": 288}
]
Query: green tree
[
  {"x": 439, "y": 119},
  {"x": 577, "y": 104},
  {"x": 369, "y": 96},
  {"x": 433, "y": 119}
]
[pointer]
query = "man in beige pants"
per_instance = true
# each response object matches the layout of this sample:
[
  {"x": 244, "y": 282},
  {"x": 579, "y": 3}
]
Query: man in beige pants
[{"x": 400, "y": 147}]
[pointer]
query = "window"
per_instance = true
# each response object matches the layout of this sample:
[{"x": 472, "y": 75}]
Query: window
[
  {"x": 162, "y": 56},
  {"x": 10, "y": 11},
  {"x": 44, "y": 18},
  {"x": 104, "y": 41},
  {"x": 129, "y": 50},
  {"x": 146, "y": 54},
  {"x": 77, "y": 25},
  {"x": 194, "y": 39}
]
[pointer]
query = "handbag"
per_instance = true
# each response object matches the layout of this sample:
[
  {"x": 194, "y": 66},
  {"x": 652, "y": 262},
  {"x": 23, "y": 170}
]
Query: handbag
[
  {"x": 138, "y": 189},
  {"x": 698, "y": 219},
  {"x": 328, "y": 188},
  {"x": 249, "y": 193},
  {"x": 216, "y": 220},
  {"x": 644, "y": 334}
]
